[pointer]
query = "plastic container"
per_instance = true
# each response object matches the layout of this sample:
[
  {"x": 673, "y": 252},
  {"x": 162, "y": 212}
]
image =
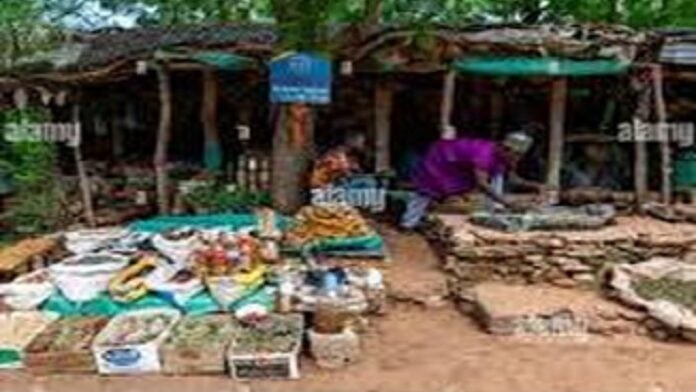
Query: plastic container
[
  {"x": 271, "y": 365},
  {"x": 17, "y": 330},
  {"x": 132, "y": 357}
]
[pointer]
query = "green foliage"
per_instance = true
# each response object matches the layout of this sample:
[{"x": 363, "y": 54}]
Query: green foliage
[
  {"x": 216, "y": 198},
  {"x": 23, "y": 30},
  {"x": 32, "y": 165}
]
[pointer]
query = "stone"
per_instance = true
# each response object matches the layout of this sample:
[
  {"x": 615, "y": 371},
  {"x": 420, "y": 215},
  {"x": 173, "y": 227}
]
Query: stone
[
  {"x": 565, "y": 282},
  {"x": 571, "y": 265},
  {"x": 584, "y": 278}
]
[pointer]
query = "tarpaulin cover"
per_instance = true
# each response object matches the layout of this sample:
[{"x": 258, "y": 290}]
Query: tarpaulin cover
[
  {"x": 104, "y": 305},
  {"x": 231, "y": 221},
  {"x": 541, "y": 66}
]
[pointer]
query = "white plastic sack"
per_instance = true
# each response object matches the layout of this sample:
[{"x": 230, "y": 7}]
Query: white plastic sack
[
  {"x": 176, "y": 250},
  {"x": 84, "y": 241},
  {"x": 81, "y": 279},
  {"x": 29, "y": 291}
]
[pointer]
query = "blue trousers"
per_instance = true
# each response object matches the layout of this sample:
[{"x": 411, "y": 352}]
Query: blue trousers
[{"x": 416, "y": 208}]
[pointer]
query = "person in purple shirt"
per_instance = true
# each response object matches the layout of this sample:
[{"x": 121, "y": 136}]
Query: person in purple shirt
[{"x": 459, "y": 166}]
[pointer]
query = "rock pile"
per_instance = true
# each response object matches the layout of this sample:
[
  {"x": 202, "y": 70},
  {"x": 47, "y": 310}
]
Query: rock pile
[
  {"x": 547, "y": 311},
  {"x": 474, "y": 254}
]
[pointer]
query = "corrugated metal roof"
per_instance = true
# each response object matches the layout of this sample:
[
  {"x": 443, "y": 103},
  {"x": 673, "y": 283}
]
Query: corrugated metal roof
[{"x": 682, "y": 53}]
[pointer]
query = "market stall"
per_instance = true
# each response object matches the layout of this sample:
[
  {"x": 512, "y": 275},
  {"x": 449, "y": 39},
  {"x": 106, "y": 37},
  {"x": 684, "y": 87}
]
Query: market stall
[{"x": 198, "y": 295}]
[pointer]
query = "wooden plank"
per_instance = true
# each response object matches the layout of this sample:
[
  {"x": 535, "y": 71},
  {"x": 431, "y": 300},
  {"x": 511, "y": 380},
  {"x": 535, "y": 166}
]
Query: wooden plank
[
  {"x": 383, "y": 109},
  {"x": 448, "y": 91},
  {"x": 557, "y": 104},
  {"x": 665, "y": 150},
  {"x": 163, "y": 138}
]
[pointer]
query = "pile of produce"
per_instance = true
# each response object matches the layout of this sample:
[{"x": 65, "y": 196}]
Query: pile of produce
[
  {"x": 326, "y": 222},
  {"x": 16, "y": 255},
  {"x": 199, "y": 331},
  {"x": 137, "y": 329},
  {"x": 17, "y": 330},
  {"x": 69, "y": 334},
  {"x": 550, "y": 218},
  {"x": 673, "y": 290},
  {"x": 272, "y": 334},
  {"x": 227, "y": 254}
]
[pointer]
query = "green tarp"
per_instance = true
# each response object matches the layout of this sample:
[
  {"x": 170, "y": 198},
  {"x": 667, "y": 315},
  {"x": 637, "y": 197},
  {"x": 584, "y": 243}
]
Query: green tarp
[
  {"x": 541, "y": 66},
  {"x": 231, "y": 221}
]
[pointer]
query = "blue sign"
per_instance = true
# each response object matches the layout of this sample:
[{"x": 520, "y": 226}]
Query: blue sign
[
  {"x": 122, "y": 357},
  {"x": 301, "y": 78}
]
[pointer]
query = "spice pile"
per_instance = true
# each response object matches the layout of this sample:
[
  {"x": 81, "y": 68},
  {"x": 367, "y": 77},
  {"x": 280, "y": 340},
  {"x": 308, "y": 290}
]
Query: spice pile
[{"x": 327, "y": 222}]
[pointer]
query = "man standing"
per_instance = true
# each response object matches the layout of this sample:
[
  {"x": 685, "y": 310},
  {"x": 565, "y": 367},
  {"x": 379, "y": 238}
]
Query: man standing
[{"x": 460, "y": 166}]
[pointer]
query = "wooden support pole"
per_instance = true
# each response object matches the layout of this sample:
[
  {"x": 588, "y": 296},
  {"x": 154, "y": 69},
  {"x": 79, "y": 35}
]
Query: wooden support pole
[
  {"x": 85, "y": 186},
  {"x": 640, "y": 162},
  {"x": 447, "y": 104},
  {"x": 497, "y": 108},
  {"x": 665, "y": 151},
  {"x": 559, "y": 94},
  {"x": 212, "y": 151},
  {"x": 163, "y": 138},
  {"x": 383, "y": 109}
]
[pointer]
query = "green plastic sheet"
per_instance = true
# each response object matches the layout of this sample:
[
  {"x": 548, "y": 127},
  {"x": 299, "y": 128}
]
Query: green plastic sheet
[
  {"x": 232, "y": 221},
  {"x": 104, "y": 305},
  {"x": 539, "y": 66}
]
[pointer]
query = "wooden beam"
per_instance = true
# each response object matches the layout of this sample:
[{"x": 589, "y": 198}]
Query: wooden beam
[
  {"x": 557, "y": 105},
  {"x": 384, "y": 95},
  {"x": 212, "y": 151},
  {"x": 163, "y": 138},
  {"x": 85, "y": 186},
  {"x": 665, "y": 150},
  {"x": 447, "y": 104}
]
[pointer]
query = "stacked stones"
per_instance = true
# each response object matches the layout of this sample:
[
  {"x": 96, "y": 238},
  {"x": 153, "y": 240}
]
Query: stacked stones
[{"x": 475, "y": 254}]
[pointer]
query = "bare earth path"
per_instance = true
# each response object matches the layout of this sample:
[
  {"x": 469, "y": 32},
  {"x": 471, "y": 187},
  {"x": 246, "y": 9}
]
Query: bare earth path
[{"x": 437, "y": 350}]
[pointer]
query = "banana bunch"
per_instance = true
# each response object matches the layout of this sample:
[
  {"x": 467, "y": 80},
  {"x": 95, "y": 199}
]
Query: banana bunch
[{"x": 327, "y": 221}]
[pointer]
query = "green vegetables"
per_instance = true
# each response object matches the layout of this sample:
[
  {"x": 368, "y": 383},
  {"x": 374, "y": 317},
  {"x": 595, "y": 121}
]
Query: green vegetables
[
  {"x": 673, "y": 290},
  {"x": 216, "y": 198},
  {"x": 273, "y": 334},
  {"x": 208, "y": 330}
]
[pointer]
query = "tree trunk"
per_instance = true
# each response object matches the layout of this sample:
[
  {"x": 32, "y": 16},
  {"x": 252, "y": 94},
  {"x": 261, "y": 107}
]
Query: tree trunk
[
  {"x": 559, "y": 93},
  {"x": 163, "y": 137},
  {"x": 212, "y": 151},
  {"x": 291, "y": 158}
]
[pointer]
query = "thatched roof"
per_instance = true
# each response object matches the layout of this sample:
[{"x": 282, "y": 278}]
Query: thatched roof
[{"x": 102, "y": 54}]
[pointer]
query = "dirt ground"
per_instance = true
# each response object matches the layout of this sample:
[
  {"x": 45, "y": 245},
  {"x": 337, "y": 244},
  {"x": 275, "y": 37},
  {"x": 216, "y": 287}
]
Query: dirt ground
[{"x": 436, "y": 349}]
